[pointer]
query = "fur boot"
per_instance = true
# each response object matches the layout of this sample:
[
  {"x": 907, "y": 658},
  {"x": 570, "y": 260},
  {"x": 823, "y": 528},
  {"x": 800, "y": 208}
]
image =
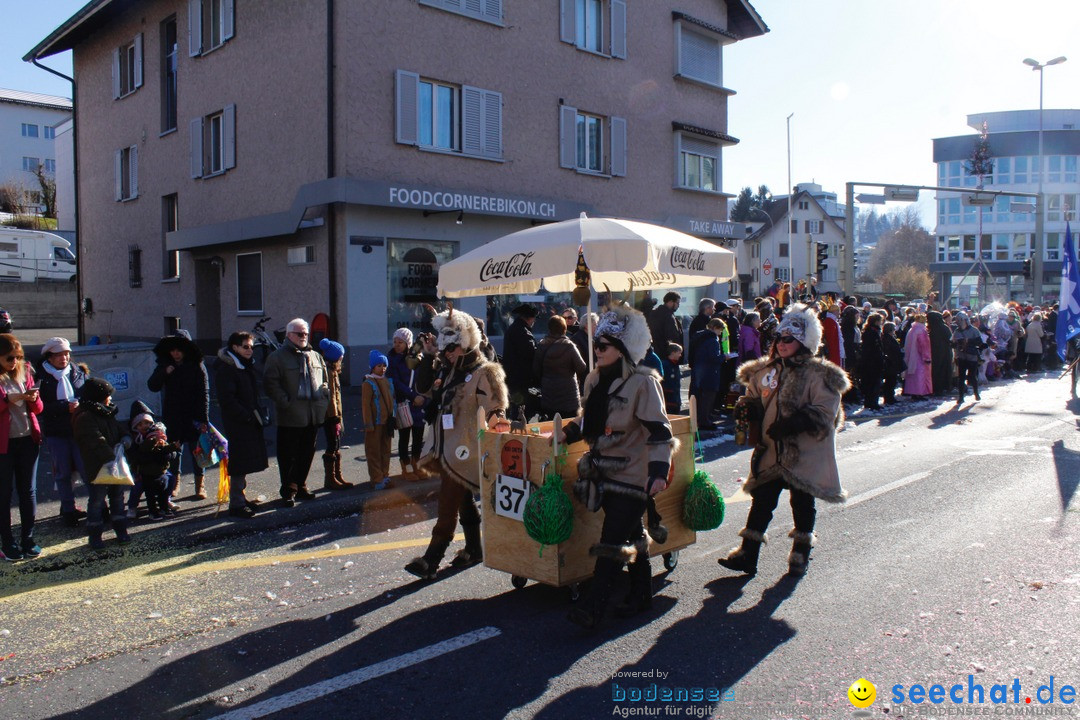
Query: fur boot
[
  {"x": 473, "y": 552},
  {"x": 338, "y": 477},
  {"x": 744, "y": 559},
  {"x": 639, "y": 598},
  {"x": 799, "y": 557},
  {"x": 200, "y": 488}
]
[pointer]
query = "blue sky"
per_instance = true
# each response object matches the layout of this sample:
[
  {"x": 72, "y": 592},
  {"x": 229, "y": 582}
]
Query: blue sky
[{"x": 870, "y": 82}]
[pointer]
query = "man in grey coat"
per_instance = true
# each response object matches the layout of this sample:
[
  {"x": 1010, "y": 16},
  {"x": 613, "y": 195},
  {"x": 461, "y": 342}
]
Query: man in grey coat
[{"x": 295, "y": 380}]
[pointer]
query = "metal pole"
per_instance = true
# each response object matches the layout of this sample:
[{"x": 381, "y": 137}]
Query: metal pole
[
  {"x": 791, "y": 192},
  {"x": 847, "y": 285},
  {"x": 1037, "y": 241}
]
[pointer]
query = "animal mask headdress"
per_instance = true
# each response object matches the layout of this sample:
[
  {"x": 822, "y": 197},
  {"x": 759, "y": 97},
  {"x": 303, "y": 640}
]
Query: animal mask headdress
[
  {"x": 626, "y": 327},
  {"x": 456, "y": 329},
  {"x": 802, "y": 323}
]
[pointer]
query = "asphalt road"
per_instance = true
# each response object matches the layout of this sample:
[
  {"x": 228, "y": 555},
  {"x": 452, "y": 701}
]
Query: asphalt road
[{"x": 955, "y": 556}]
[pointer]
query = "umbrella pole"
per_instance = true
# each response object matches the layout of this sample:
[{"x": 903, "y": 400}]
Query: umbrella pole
[{"x": 589, "y": 327}]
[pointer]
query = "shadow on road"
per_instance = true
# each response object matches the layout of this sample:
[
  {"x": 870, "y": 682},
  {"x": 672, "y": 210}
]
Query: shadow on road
[
  {"x": 955, "y": 414},
  {"x": 1067, "y": 466},
  {"x": 713, "y": 649}
]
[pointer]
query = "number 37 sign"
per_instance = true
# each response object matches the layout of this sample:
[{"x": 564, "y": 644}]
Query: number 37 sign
[{"x": 511, "y": 493}]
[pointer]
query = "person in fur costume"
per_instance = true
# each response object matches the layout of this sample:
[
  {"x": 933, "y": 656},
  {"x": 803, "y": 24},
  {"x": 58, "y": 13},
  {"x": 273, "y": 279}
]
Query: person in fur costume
[
  {"x": 796, "y": 397},
  {"x": 464, "y": 381},
  {"x": 630, "y": 448}
]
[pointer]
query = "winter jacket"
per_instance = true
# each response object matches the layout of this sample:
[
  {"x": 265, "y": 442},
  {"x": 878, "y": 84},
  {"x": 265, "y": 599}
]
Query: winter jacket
[
  {"x": 32, "y": 411},
  {"x": 801, "y": 396},
  {"x": 238, "y": 395},
  {"x": 672, "y": 385},
  {"x": 967, "y": 343},
  {"x": 472, "y": 383},
  {"x": 56, "y": 417},
  {"x": 664, "y": 327},
  {"x": 749, "y": 343},
  {"x": 376, "y": 402},
  {"x": 185, "y": 391},
  {"x": 97, "y": 434},
  {"x": 830, "y": 333},
  {"x": 708, "y": 361},
  {"x": 281, "y": 382},
  {"x": 149, "y": 462},
  {"x": 637, "y": 444},
  {"x": 894, "y": 356},
  {"x": 404, "y": 385},
  {"x": 1033, "y": 342},
  {"x": 941, "y": 356},
  {"x": 917, "y": 379},
  {"x": 558, "y": 366},
  {"x": 872, "y": 361},
  {"x": 519, "y": 350}
]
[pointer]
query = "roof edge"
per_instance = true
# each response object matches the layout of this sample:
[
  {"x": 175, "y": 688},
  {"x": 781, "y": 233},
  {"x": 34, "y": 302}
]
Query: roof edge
[{"x": 49, "y": 46}]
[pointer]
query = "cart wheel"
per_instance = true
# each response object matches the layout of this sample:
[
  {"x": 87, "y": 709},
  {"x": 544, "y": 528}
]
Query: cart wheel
[
  {"x": 671, "y": 560},
  {"x": 518, "y": 582},
  {"x": 575, "y": 592}
]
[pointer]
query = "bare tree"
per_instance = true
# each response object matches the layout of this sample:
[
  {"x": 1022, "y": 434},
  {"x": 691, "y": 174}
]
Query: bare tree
[
  {"x": 47, "y": 183},
  {"x": 910, "y": 281}
]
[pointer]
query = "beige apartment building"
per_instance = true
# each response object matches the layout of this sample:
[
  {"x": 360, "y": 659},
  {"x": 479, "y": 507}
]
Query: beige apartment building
[{"x": 241, "y": 158}]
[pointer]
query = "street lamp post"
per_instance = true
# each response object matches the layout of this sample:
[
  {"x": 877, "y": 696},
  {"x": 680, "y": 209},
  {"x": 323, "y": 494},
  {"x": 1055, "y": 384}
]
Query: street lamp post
[
  {"x": 1040, "y": 204},
  {"x": 790, "y": 195}
]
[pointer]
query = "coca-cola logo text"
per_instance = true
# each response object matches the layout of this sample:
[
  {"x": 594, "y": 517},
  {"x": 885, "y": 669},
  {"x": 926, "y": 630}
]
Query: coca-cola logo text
[
  {"x": 650, "y": 278},
  {"x": 688, "y": 259},
  {"x": 517, "y": 265}
]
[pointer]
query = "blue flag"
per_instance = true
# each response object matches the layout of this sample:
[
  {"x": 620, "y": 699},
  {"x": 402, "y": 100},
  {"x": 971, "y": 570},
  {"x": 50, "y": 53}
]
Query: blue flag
[{"x": 1068, "y": 324}]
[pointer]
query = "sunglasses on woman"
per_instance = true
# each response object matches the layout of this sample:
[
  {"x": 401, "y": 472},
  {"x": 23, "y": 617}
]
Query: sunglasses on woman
[
  {"x": 602, "y": 346},
  {"x": 785, "y": 339},
  {"x": 13, "y": 358}
]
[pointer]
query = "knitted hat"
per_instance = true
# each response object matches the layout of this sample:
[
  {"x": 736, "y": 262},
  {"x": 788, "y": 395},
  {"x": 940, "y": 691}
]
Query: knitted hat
[
  {"x": 404, "y": 335},
  {"x": 376, "y": 358},
  {"x": 55, "y": 345},
  {"x": 801, "y": 323},
  {"x": 622, "y": 323},
  {"x": 331, "y": 350},
  {"x": 139, "y": 412},
  {"x": 96, "y": 390}
]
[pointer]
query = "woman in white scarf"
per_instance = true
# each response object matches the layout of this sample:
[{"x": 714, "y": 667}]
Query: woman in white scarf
[{"x": 61, "y": 381}]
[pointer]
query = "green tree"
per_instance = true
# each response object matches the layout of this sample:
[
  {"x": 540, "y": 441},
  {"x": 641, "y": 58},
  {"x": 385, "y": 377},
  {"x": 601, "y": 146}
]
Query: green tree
[{"x": 741, "y": 209}]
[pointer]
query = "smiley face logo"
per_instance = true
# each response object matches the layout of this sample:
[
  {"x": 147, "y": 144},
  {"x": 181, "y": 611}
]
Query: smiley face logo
[{"x": 862, "y": 693}]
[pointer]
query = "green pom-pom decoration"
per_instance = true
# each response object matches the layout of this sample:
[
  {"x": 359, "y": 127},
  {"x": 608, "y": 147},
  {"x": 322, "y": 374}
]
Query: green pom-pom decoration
[
  {"x": 549, "y": 514},
  {"x": 703, "y": 507}
]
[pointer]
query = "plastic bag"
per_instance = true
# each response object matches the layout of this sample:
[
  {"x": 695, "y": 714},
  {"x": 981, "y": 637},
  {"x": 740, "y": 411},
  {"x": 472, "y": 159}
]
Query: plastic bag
[
  {"x": 211, "y": 448},
  {"x": 116, "y": 471},
  {"x": 703, "y": 507},
  {"x": 549, "y": 514}
]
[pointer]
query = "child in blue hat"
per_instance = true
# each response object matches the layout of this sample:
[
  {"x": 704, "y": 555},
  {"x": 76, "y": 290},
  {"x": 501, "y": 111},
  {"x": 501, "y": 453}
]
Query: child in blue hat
[{"x": 377, "y": 405}]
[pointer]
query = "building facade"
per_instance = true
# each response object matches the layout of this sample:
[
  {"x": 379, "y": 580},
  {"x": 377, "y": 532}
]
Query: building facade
[
  {"x": 812, "y": 248},
  {"x": 28, "y": 123},
  {"x": 1001, "y": 235},
  {"x": 240, "y": 159}
]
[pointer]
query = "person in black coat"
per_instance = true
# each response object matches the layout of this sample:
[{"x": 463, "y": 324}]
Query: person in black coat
[
  {"x": 706, "y": 309},
  {"x": 894, "y": 362},
  {"x": 237, "y": 385},
  {"x": 872, "y": 361},
  {"x": 181, "y": 376},
  {"x": 941, "y": 354},
  {"x": 708, "y": 371},
  {"x": 519, "y": 350}
]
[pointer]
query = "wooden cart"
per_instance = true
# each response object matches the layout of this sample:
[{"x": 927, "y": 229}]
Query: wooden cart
[{"x": 512, "y": 465}]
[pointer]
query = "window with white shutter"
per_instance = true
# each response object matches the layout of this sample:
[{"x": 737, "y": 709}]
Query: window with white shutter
[
  {"x": 127, "y": 67},
  {"x": 487, "y": 10},
  {"x": 592, "y": 144},
  {"x": 443, "y": 117},
  {"x": 213, "y": 143},
  {"x": 698, "y": 166},
  {"x": 596, "y": 26},
  {"x": 698, "y": 54},
  {"x": 211, "y": 23}
]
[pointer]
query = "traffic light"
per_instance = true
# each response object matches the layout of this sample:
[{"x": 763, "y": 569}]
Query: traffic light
[
  {"x": 1027, "y": 268},
  {"x": 822, "y": 256}
]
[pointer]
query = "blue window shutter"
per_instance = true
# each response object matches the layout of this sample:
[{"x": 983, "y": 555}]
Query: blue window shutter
[
  {"x": 229, "y": 129},
  {"x": 568, "y": 21},
  {"x": 567, "y": 136},
  {"x": 196, "y": 148},
  {"x": 194, "y": 27},
  {"x": 476, "y": 7},
  {"x": 618, "y": 146},
  {"x": 472, "y": 120},
  {"x": 408, "y": 89},
  {"x": 618, "y": 28},
  {"x": 229, "y": 12},
  {"x": 116, "y": 73},
  {"x": 133, "y": 177},
  {"x": 138, "y": 60},
  {"x": 493, "y": 124},
  {"x": 118, "y": 166},
  {"x": 493, "y": 10}
]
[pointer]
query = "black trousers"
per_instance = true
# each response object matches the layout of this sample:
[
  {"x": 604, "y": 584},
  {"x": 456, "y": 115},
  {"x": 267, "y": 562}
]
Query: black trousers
[
  {"x": 888, "y": 388},
  {"x": 766, "y": 496},
  {"x": 967, "y": 371},
  {"x": 416, "y": 435},
  {"x": 296, "y": 449},
  {"x": 622, "y": 526}
]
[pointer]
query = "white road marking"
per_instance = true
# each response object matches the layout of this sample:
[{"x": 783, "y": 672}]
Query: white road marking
[
  {"x": 362, "y": 675},
  {"x": 881, "y": 489}
]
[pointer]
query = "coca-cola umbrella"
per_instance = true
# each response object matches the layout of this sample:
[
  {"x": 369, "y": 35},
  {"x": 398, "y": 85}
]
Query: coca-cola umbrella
[{"x": 620, "y": 254}]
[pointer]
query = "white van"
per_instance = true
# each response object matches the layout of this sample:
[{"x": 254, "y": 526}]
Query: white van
[{"x": 31, "y": 255}]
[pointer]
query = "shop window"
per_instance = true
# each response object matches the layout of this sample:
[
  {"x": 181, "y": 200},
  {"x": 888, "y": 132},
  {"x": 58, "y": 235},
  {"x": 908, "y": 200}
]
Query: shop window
[{"x": 412, "y": 269}]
